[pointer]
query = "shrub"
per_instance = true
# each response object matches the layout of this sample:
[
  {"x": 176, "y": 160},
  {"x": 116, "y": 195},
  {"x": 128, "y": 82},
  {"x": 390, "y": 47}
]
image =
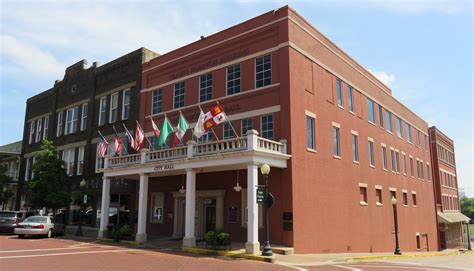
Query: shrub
[{"x": 124, "y": 230}]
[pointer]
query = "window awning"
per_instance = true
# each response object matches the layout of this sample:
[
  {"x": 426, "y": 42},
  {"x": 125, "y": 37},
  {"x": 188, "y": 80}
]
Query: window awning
[{"x": 452, "y": 217}]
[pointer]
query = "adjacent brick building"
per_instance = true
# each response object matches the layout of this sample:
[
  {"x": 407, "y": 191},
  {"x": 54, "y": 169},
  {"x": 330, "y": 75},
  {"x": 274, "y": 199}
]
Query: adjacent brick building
[{"x": 339, "y": 143}]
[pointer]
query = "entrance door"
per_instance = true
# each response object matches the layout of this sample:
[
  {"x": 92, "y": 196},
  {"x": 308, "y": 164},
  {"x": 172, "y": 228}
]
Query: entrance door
[{"x": 210, "y": 209}]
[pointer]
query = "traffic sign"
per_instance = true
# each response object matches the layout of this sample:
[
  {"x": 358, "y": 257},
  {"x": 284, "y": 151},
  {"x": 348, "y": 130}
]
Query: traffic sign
[{"x": 260, "y": 195}]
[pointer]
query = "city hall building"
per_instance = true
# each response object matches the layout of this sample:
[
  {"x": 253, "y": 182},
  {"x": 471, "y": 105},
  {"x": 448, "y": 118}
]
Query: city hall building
[{"x": 339, "y": 144}]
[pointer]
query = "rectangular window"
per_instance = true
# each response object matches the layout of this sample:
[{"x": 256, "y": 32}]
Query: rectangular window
[
  {"x": 398, "y": 124},
  {"x": 393, "y": 194},
  {"x": 422, "y": 170},
  {"x": 32, "y": 132},
  {"x": 233, "y": 79},
  {"x": 418, "y": 138},
  {"x": 412, "y": 171},
  {"x": 71, "y": 120},
  {"x": 157, "y": 101},
  {"x": 157, "y": 210},
  {"x": 371, "y": 154},
  {"x": 404, "y": 164},
  {"x": 355, "y": 148},
  {"x": 397, "y": 161},
  {"x": 362, "y": 195},
  {"x": 59, "y": 125},
  {"x": 246, "y": 125},
  {"x": 336, "y": 142},
  {"x": 340, "y": 101},
  {"x": 39, "y": 127},
  {"x": 350, "y": 94},
  {"x": 80, "y": 160},
  {"x": 371, "y": 111},
  {"x": 380, "y": 116},
  {"x": 310, "y": 133},
  {"x": 418, "y": 172},
  {"x": 263, "y": 71},
  {"x": 405, "y": 199},
  {"x": 205, "y": 87},
  {"x": 27, "y": 169},
  {"x": 126, "y": 104},
  {"x": 408, "y": 132},
  {"x": 413, "y": 196},
  {"x": 113, "y": 108},
  {"x": 102, "y": 110},
  {"x": 45, "y": 127},
  {"x": 388, "y": 121},
  {"x": 33, "y": 161},
  {"x": 378, "y": 196},
  {"x": 84, "y": 116},
  {"x": 392, "y": 159},
  {"x": 428, "y": 172},
  {"x": 384, "y": 157},
  {"x": 228, "y": 132},
  {"x": 68, "y": 158},
  {"x": 267, "y": 126},
  {"x": 179, "y": 95}
]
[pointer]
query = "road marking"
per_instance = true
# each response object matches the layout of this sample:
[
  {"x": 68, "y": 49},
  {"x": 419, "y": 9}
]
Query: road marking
[
  {"x": 402, "y": 267},
  {"x": 348, "y": 267},
  {"x": 83, "y": 243},
  {"x": 295, "y": 267},
  {"x": 67, "y": 253},
  {"x": 46, "y": 249}
]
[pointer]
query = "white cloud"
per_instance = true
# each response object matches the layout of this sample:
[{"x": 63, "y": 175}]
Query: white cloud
[
  {"x": 423, "y": 6},
  {"x": 29, "y": 57},
  {"x": 383, "y": 76}
]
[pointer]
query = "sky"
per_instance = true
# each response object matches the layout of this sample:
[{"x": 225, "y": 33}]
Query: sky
[{"x": 422, "y": 49}]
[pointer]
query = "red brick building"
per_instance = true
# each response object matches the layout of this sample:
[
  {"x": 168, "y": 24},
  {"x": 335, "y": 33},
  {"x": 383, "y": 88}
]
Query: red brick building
[
  {"x": 450, "y": 218},
  {"x": 339, "y": 143}
]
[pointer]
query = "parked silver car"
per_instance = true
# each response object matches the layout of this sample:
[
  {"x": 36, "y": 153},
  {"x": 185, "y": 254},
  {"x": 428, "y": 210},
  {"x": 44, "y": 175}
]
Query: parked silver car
[{"x": 39, "y": 225}]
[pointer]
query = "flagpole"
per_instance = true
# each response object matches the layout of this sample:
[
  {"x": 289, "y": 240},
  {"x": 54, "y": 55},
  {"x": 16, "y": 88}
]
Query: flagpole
[
  {"x": 211, "y": 127},
  {"x": 116, "y": 134},
  {"x": 149, "y": 143},
  {"x": 228, "y": 121},
  {"x": 101, "y": 135},
  {"x": 181, "y": 114},
  {"x": 127, "y": 133}
]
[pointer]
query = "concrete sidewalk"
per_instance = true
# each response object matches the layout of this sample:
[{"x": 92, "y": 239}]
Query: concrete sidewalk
[{"x": 324, "y": 259}]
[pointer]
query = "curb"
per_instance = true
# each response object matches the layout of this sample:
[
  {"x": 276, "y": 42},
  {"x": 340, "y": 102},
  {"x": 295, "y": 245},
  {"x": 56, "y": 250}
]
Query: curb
[
  {"x": 134, "y": 243},
  {"x": 383, "y": 257},
  {"x": 232, "y": 254}
]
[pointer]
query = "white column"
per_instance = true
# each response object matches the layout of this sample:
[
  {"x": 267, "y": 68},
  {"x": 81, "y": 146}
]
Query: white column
[
  {"x": 104, "y": 213},
  {"x": 142, "y": 206},
  {"x": 189, "y": 236},
  {"x": 252, "y": 246}
]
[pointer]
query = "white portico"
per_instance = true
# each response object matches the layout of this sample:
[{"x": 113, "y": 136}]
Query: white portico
[{"x": 237, "y": 153}]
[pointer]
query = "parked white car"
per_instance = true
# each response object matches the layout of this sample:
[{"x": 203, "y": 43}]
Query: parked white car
[{"x": 39, "y": 225}]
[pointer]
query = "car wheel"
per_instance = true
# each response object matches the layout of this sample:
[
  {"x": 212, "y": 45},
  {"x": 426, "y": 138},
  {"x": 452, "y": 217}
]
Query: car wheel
[
  {"x": 21, "y": 236},
  {"x": 50, "y": 233}
]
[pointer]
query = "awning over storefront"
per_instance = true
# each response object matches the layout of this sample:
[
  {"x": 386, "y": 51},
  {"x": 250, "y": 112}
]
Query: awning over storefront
[{"x": 452, "y": 217}]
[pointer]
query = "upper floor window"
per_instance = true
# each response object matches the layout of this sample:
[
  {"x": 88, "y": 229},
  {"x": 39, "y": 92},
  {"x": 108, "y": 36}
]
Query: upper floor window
[
  {"x": 228, "y": 132},
  {"x": 113, "y": 108},
  {"x": 418, "y": 138},
  {"x": 394, "y": 163},
  {"x": 408, "y": 132},
  {"x": 45, "y": 127},
  {"x": 412, "y": 170},
  {"x": 350, "y": 95},
  {"x": 39, "y": 127},
  {"x": 233, "y": 79},
  {"x": 246, "y": 125},
  {"x": 126, "y": 104},
  {"x": 32, "y": 132},
  {"x": 336, "y": 141},
  {"x": 384, "y": 157},
  {"x": 404, "y": 164},
  {"x": 310, "y": 142},
  {"x": 388, "y": 121},
  {"x": 71, "y": 120},
  {"x": 59, "y": 125},
  {"x": 267, "y": 126},
  {"x": 371, "y": 110},
  {"x": 179, "y": 95},
  {"x": 80, "y": 160},
  {"x": 157, "y": 102},
  {"x": 371, "y": 153},
  {"x": 85, "y": 108},
  {"x": 380, "y": 116},
  {"x": 428, "y": 172},
  {"x": 398, "y": 123},
  {"x": 340, "y": 101},
  {"x": 68, "y": 158},
  {"x": 205, "y": 87},
  {"x": 27, "y": 169},
  {"x": 102, "y": 110},
  {"x": 263, "y": 71},
  {"x": 355, "y": 148}
]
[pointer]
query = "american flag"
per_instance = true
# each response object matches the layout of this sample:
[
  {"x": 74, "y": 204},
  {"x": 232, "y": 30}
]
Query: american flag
[{"x": 102, "y": 147}]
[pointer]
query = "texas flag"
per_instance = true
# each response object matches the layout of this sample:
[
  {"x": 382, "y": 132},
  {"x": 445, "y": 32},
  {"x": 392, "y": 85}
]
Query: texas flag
[{"x": 214, "y": 117}]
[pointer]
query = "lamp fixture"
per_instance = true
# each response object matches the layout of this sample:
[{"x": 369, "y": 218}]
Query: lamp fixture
[
  {"x": 182, "y": 190},
  {"x": 237, "y": 187}
]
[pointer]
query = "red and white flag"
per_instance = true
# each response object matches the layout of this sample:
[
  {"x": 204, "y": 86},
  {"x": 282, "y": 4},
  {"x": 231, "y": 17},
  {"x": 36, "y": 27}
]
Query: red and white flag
[
  {"x": 139, "y": 137},
  {"x": 102, "y": 147},
  {"x": 214, "y": 117},
  {"x": 156, "y": 131},
  {"x": 118, "y": 145}
]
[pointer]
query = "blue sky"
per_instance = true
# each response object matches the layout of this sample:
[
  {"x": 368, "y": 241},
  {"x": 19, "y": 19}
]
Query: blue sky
[{"x": 422, "y": 49}]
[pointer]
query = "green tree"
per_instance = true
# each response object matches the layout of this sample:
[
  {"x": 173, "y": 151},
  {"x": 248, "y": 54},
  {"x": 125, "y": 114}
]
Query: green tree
[
  {"x": 50, "y": 186},
  {"x": 467, "y": 207},
  {"x": 4, "y": 183}
]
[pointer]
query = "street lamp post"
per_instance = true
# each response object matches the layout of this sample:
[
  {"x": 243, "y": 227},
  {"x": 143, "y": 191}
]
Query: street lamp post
[
  {"x": 468, "y": 237},
  {"x": 82, "y": 185},
  {"x": 267, "y": 249},
  {"x": 395, "y": 219}
]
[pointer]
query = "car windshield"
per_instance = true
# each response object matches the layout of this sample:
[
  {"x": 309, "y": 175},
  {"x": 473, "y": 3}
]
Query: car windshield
[
  {"x": 36, "y": 219},
  {"x": 7, "y": 214}
]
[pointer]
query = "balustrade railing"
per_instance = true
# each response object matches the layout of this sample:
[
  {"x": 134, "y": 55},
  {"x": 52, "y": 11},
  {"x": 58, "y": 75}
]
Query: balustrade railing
[
  {"x": 124, "y": 160},
  {"x": 167, "y": 154},
  {"x": 221, "y": 146}
]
